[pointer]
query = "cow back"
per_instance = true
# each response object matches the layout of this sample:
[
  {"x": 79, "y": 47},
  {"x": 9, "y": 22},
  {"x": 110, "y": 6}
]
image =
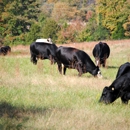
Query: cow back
[
  {"x": 123, "y": 82},
  {"x": 124, "y": 68},
  {"x": 41, "y": 47},
  {"x": 65, "y": 54}
]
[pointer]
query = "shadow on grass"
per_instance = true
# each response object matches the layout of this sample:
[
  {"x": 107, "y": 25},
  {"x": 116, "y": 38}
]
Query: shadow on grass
[
  {"x": 14, "y": 118},
  {"x": 112, "y": 67}
]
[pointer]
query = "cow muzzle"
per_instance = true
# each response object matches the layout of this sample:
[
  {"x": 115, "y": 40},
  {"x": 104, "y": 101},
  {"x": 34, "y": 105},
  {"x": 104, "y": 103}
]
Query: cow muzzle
[{"x": 99, "y": 75}]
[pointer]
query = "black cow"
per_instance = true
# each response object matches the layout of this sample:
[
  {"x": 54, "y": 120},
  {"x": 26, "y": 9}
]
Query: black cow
[
  {"x": 41, "y": 50},
  {"x": 119, "y": 88},
  {"x": 5, "y": 50},
  {"x": 124, "y": 68},
  {"x": 101, "y": 52},
  {"x": 76, "y": 59}
]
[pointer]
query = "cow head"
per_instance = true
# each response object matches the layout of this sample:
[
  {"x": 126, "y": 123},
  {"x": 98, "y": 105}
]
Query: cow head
[
  {"x": 97, "y": 72},
  {"x": 34, "y": 59},
  {"x": 107, "y": 96}
]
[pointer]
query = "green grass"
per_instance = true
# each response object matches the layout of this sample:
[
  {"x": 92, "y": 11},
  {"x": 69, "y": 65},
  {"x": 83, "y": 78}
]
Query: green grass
[{"x": 37, "y": 97}]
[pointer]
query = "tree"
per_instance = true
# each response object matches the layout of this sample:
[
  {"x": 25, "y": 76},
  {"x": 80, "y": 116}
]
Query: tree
[
  {"x": 50, "y": 29},
  {"x": 33, "y": 34},
  {"x": 17, "y": 18},
  {"x": 62, "y": 12},
  {"x": 118, "y": 32},
  {"x": 70, "y": 32},
  {"x": 114, "y": 13},
  {"x": 126, "y": 27}
]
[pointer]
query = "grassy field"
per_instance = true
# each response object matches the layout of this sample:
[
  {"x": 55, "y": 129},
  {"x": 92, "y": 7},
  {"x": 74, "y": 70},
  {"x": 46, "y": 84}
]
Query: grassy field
[{"x": 37, "y": 97}]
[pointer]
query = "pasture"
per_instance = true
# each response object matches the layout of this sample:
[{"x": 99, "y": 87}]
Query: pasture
[{"x": 37, "y": 97}]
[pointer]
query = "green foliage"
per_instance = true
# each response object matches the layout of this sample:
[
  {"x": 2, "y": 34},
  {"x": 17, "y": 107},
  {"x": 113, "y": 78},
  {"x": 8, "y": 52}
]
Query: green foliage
[
  {"x": 126, "y": 27},
  {"x": 94, "y": 31},
  {"x": 50, "y": 29},
  {"x": 33, "y": 34},
  {"x": 17, "y": 16},
  {"x": 119, "y": 32},
  {"x": 114, "y": 14},
  {"x": 104, "y": 20},
  {"x": 82, "y": 36},
  {"x": 101, "y": 33}
]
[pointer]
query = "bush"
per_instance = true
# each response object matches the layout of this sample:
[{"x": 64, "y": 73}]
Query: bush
[
  {"x": 101, "y": 33},
  {"x": 50, "y": 29},
  {"x": 119, "y": 32},
  {"x": 95, "y": 33},
  {"x": 33, "y": 34}
]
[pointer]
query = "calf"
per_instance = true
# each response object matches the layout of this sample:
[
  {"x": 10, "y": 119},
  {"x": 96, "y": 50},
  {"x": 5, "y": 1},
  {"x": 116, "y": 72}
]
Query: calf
[
  {"x": 76, "y": 59},
  {"x": 38, "y": 50},
  {"x": 119, "y": 88},
  {"x": 101, "y": 52}
]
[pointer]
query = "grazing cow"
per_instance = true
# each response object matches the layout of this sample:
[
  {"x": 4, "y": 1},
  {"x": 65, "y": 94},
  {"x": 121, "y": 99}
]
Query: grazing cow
[
  {"x": 76, "y": 59},
  {"x": 124, "y": 68},
  {"x": 101, "y": 52},
  {"x": 44, "y": 40},
  {"x": 5, "y": 50},
  {"x": 119, "y": 88},
  {"x": 42, "y": 50}
]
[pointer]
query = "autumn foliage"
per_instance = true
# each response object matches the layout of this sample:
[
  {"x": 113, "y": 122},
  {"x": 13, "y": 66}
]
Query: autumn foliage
[{"x": 64, "y": 21}]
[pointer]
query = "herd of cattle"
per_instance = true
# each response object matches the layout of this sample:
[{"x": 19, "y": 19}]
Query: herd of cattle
[
  {"x": 77, "y": 59},
  {"x": 69, "y": 57}
]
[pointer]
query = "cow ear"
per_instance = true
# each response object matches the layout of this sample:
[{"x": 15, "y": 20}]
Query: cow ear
[{"x": 107, "y": 88}]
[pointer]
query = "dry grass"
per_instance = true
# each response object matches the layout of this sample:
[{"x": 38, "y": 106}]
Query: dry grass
[{"x": 39, "y": 98}]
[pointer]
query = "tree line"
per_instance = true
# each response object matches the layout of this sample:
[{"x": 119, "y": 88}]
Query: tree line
[{"x": 64, "y": 21}]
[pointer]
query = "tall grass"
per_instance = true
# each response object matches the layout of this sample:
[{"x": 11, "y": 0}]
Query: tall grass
[{"x": 37, "y": 97}]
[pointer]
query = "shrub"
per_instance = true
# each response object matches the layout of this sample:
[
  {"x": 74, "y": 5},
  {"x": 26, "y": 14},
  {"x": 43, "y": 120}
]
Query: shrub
[
  {"x": 50, "y": 29},
  {"x": 33, "y": 34},
  {"x": 119, "y": 32}
]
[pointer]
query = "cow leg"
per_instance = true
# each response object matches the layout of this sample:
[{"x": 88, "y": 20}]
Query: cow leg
[
  {"x": 64, "y": 70},
  {"x": 51, "y": 59},
  {"x": 125, "y": 98},
  {"x": 33, "y": 59},
  {"x": 128, "y": 96},
  {"x": 60, "y": 68},
  {"x": 104, "y": 63},
  {"x": 97, "y": 62},
  {"x": 79, "y": 68},
  {"x": 124, "y": 101}
]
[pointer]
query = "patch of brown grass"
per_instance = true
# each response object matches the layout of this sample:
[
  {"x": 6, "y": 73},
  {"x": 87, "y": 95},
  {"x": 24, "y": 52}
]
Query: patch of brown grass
[{"x": 86, "y": 46}]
